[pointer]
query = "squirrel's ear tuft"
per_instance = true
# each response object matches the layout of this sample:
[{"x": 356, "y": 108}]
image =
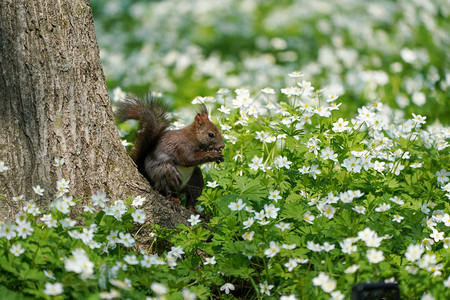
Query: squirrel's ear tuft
[{"x": 203, "y": 110}]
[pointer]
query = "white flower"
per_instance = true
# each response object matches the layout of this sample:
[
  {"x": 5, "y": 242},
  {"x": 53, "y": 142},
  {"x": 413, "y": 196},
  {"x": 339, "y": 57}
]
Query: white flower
[
  {"x": 248, "y": 235},
  {"x": 249, "y": 222},
  {"x": 397, "y": 200},
  {"x": 265, "y": 288},
  {"x": 418, "y": 119},
  {"x": 352, "y": 164},
  {"x": 374, "y": 256},
  {"x": 268, "y": 91},
  {"x": 427, "y": 296},
  {"x": 411, "y": 270},
  {"x": 212, "y": 184},
  {"x": 8, "y": 230},
  {"x": 125, "y": 284},
  {"x": 282, "y": 162},
  {"x": 288, "y": 297},
  {"x": 227, "y": 287},
  {"x": 379, "y": 166},
  {"x": 188, "y": 295},
  {"x": 365, "y": 115},
  {"x": 366, "y": 234},
  {"x": 19, "y": 198},
  {"x": 274, "y": 195},
  {"x": 194, "y": 220},
  {"x": 126, "y": 239},
  {"x": 313, "y": 246},
  {"x": 442, "y": 176},
  {"x": 329, "y": 211},
  {"x": 347, "y": 246},
  {"x": 38, "y": 190},
  {"x": 427, "y": 261},
  {"x": 416, "y": 165},
  {"x": 272, "y": 250},
  {"x": 427, "y": 243},
  {"x": 24, "y": 229},
  {"x": 139, "y": 216},
  {"x": 323, "y": 111},
  {"x": 308, "y": 217},
  {"x": 260, "y": 215},
  {"x": 383, "y": 207},
  {"x": 176, "y": 251},
  {"x": 447, "y": 242},
  {"x": 337, "y": 295},
  {"x": 159, "y": 288},
  {"x": 61, "y": 206},
  {"x": 340, "y": 125},
  {"x": 3, "y": 168},
  {"x": 53, "y": 289},
  {"x": 271, "y": 211},
  {"x": 359, "y": 209},
  {"x": 329, "y": 285},
  {"x": 79, "y": 263},
  {"x": 345, "y": 197},
  {"x": 314, "y": 170},
  {"x": 291, "y": 264},
  {"x": 351, "y": 269},
  {"x": 320, "y": 279},
  {"x": 304, "y": 170},
  {"x": 239, "y": 205},
  {"x": 327, "y": 247},
  {"x": 225, "y": 110},
  {"x": 283, "y": 226},
  {"x": 296, "y": 74},
  {"x": 210, "y": 261},
  {"x": 17, "y": 249},
  {"x": 58, "y": 162},
  {"x": 257, "y": 163},
  {"x": 437, "y": 236},
  {"x": 397, "y": 218},
  {"x": 131, "y": 259},
  {"x": 328, "y": 153},
  {"x": 49, "y": 274},
  {"x": 447, "y": 282},
  {"x": 99, "y": 199},
  {"x": 62, "y": 186},
  {"x": 424, "y": 208},
  {"x": 138, "y": 201},
  {"x": 313, "y": 145},
  {"x": 67, "y": 223},
  {"x": 289, "y": 246}
]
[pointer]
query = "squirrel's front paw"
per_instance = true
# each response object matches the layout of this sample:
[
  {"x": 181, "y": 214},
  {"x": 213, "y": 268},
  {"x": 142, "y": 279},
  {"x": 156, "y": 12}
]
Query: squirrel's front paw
[{"x": 218, "y": 156}]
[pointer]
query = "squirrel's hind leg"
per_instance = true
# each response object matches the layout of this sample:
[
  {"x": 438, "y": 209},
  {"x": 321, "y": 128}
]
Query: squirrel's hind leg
[
  {"x": 194, "y": 188},
  {"x": 164, "y": 177}
]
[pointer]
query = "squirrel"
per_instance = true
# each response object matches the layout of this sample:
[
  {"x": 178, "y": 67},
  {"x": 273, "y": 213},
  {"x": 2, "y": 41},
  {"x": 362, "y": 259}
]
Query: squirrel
[{"x": 170, "y": 159}]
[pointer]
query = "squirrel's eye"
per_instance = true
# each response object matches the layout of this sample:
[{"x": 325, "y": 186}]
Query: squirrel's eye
[{"x": 211, "y": 135}]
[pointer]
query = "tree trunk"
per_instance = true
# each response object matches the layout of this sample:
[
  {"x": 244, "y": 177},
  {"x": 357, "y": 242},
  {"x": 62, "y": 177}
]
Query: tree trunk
[{"x": 54, "y": 104}]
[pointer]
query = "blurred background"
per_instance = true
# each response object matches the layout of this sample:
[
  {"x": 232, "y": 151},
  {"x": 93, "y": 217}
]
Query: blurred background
[{"x": 396, "y": 51}]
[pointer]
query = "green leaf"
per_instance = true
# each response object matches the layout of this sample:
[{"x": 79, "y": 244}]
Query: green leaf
[{"x": 11, "y": 295}]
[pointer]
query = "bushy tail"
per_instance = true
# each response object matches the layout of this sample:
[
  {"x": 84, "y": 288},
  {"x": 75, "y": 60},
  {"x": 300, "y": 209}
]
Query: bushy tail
[{"x": 153, "y": 120}]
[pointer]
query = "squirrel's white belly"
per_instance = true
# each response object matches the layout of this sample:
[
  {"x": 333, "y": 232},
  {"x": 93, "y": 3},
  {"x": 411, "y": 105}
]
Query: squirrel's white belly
[{"x": 186, "y": 173}]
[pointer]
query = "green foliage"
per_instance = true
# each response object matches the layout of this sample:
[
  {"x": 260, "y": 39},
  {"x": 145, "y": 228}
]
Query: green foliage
[
  {"x": 298, "y": 208},
  {"x": 395, "y": 50},
  {"x": 313, "y": 197}
]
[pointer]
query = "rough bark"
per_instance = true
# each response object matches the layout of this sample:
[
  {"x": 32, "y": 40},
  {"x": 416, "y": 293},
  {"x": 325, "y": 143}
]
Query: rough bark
[{"x": 54, "y": 104}]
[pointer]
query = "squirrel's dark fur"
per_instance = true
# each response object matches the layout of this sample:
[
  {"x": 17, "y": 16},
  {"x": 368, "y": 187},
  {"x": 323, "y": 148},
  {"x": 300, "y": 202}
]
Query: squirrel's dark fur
[{"x": 169, "y": 159}]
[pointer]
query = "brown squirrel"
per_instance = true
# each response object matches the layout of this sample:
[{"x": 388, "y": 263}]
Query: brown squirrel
[{"x": 170, "y": 159}]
